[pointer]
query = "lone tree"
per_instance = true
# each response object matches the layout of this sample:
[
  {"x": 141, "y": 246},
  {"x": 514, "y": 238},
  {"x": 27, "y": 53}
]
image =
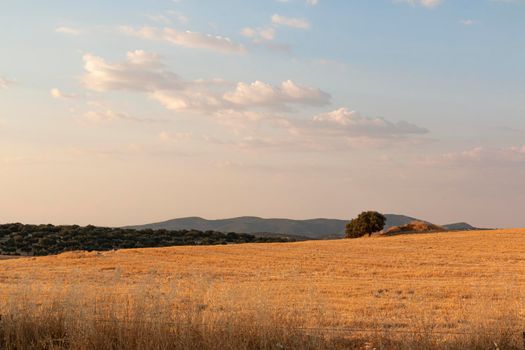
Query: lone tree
[{"x": 367, "y": 222}]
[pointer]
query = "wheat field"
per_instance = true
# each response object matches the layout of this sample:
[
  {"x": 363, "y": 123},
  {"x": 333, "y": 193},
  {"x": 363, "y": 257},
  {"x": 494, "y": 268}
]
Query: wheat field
[{"x": 435, "y": 291}]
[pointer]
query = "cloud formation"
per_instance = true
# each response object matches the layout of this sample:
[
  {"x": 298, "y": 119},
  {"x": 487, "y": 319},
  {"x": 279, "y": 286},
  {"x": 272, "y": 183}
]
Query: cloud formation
[
  {"x": 145, "y": 72},
  {"x": 259, "y": 34},
  {"x": 424, "y": 3},
  {"x": 351, "y": 123},
  {"x": 257, "y": 113},
  {"x": 187, "y": 39},
  {"x": 167, "y": 17},
  {"x": 68, "y": 31},
  {"x": 297, "y": 23},
  {"x": 259, "y": 93},
  {"x": 56, "y": 93},
  {"x": 101, "y": 114},
  {"x": 5, "y": 83},
  {"x": 487, "y": 156},
  {"x": 141, "y": 71}
]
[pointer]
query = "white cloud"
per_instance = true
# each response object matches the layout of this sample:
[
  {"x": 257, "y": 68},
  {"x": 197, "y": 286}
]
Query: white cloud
[
  {"x": 480, "y": 158},
  {"x": 250, "y": 111},
  {"x": 256, "y": 93},
  {"x": 424, "y": 3},
  {"x": 141, "y": 71},
  {"x": 145, "y": 72},
  {"x": 351, "y": 123},
  {"x": 5, "y": 83},
  {"x": 200, "y": 98},
  {"x": 334, "y": 131},
  {"x": 291, "y": 22},
  {"x": 191, "y": 99},
  {"x": 487, "y": 156},
  {"x": 167, "y": 17},
  {"x": 308, "y": 2},
  {"x": 259, "y": 33},
  {"x": 185, "y": 38},
  {"x": 101, "y": 114},
  {"x": 467, "y": 22},
  {"x": 261, "y": 94},
  {"x": 67, "y": 31},
  {"x": 56, "y": 93}
]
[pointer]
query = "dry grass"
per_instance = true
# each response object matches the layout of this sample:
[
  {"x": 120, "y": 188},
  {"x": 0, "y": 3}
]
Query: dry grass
[{"x": 437, "y": 291}]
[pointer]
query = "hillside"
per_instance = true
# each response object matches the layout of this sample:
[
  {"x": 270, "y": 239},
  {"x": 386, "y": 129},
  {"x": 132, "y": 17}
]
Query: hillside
[
  {"x": 459, "y": 226},
  {"x": 314, "y": 228}
]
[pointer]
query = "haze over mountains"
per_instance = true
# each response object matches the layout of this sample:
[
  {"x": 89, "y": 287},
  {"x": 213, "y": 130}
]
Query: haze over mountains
[{"x": 313, "y": 228}]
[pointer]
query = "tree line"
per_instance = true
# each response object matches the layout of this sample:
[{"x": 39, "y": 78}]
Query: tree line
[{"x": 20, "y": 239}]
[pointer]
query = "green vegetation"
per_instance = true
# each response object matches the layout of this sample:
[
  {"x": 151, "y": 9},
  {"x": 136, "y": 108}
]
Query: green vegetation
[
  {"x": 19, "y": 239},
  {"x": 366, "y": 223}
]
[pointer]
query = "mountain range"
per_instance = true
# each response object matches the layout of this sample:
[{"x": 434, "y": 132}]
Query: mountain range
[{"x": 310, "y": 229}]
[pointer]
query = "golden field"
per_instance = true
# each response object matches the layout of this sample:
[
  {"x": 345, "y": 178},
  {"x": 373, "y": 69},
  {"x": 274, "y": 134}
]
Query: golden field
[{"x": 445, "y": 289}]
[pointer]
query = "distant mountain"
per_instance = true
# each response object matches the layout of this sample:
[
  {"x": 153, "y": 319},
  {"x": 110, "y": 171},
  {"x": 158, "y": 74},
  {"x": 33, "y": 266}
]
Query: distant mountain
[
  {"x": 460, "y": 226},
  {"x": 314, "y": 228}
]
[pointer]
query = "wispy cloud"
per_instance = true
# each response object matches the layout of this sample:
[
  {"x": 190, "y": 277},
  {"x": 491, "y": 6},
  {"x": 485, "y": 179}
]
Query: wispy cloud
[
  {"x": 258, "y": 34},
  {"x": 424, "y": 3},
  {"x": 58, "y": 94},
  {"x": 185, "y": 38},
  {"x": 297, "y": 23},
  {"x": 467, "y": 22},
  {"x": 308, "y": 2},
  {"x": 145, "y": 72},
  {"x": 259, "y": 93},
  {"x": 141, "y": 71},
  {"x": 168, "y": 17},
  {"x": 482, "y": 157},
  {"x": 68, "y": 31},
  {"x": 257, "y": 113},
  {"x": 348, "y": 122},
  {"x": 99, "y": 113},
  {"x": 5, "y": 83}
]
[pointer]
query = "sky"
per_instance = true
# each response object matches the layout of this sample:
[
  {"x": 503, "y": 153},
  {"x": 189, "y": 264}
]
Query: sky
[{"x": 129, "y": 112}]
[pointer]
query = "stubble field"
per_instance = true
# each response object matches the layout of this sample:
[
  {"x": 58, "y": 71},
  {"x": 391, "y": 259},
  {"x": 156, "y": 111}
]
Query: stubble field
[{"x": 434, "y": 291}]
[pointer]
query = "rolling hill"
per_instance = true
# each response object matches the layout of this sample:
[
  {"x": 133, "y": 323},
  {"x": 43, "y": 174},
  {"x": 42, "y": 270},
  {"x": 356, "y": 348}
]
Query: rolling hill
[
  {"x": 459, "y": 226},
  {"x": 314, "y": 228}
]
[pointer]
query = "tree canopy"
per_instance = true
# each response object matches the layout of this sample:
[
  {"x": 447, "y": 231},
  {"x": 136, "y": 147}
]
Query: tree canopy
[{"x": 367, "y": 222}]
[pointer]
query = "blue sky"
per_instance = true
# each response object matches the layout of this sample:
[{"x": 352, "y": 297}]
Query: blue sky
[{"x": 125, "y": 112}]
